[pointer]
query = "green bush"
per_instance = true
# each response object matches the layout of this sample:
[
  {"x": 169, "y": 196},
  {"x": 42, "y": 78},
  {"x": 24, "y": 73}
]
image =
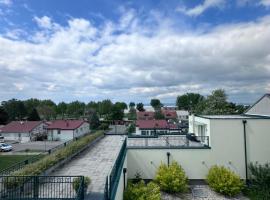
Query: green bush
[
  {"x": 171, "y": 179},
  {"x": 77, "y": 182},
  {"x": 259, "y": 181},
  {"x": 103, "y": 126},
  {"x": 224, "y": 181},
  {"x": 140, "y": 191}
]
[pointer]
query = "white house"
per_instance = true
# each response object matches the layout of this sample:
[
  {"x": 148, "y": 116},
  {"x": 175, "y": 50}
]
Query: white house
[
  {"x": 23, "y": 131},
  {"x": 261, "y": 107},
  {"x": 182, "y": 115},
  {"x": 64, "y": 130}
]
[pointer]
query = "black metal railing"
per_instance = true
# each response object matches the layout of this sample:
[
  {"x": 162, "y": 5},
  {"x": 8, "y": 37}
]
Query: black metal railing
[
  {"x": 41, "y": 187},
  {"x": 113, "y": 179},
  {"x": 163, "y": 141}
]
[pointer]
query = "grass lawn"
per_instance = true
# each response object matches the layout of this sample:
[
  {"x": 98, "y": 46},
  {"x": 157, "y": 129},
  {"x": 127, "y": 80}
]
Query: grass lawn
[{"x": 8, "y": 160}]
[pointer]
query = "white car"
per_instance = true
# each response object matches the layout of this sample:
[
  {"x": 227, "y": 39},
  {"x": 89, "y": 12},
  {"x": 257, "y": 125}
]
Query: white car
[{"x": 5, "y": 147}]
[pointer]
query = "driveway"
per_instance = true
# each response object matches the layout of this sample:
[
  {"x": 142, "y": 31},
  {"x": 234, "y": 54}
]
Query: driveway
[{"x": 95, "y": 163}]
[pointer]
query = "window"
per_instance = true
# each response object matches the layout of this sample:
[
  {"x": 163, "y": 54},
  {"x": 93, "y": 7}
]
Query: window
[
  {"x": 144, "y": 132},
  {"x": 58, "y": 132}
]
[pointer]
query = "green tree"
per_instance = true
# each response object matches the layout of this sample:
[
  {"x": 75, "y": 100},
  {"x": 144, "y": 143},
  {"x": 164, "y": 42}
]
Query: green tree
[
  {"x": 15, "y": 109},
  {"x": 159, "y": 115},
  {"x": 3, "y": 116},
  {"x": 121, "y": 105},
  {"x": 131, "y": 128},
  {"x": 140, "y": 107},
  {"x": 189, "y": 101},
  {"x": 75, "y": 109},
  {"x": 61, "y": 109},
  {"x": 93, "y": 119},
  {"x": 131, "y": 105},
  {"x": 30, "y": 104},
  {"x": 117, "y": 112},
  {"x": 105, "y": 107},
  {"x": 46, "y": 112},
  {"x": 217, "y": 104},
  {"x": 156, "y": 104},
  {"x": 33, "y": 116},
  {"x": 132, "y": 114}
]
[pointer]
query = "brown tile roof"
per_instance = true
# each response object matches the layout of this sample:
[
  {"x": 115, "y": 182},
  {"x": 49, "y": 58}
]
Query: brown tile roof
[
  {"x": 20, "y": 126},
  {"x": 145, "y": 115},
  {"x": 65, "y": 124}
]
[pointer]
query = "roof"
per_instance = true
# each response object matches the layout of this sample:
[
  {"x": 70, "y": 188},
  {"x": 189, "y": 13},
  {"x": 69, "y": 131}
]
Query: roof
[
  {"x": 145, "y": 114},
  {"x": 20, "y": 126},
  {"x": 65, "y": 124},
  {"x": 264, "y": 111},
  {"x": 171, "y": 114},
  {"x": 151, "y": 124},
  {"x": 230, "y": 117}
]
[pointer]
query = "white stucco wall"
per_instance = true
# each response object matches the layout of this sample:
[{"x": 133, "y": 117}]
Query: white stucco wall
[
  {"x": 82, "y": 130},
  {"x": 227, "y": 149},
  {"x": 25, "y": 137},
  {"x": 261, "y": 108}
]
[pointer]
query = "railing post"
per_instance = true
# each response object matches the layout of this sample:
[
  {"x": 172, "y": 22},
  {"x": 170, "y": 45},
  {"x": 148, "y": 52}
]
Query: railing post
[
  {"x": 82, "y": 192},
  {"x": 36, "y": 187}
]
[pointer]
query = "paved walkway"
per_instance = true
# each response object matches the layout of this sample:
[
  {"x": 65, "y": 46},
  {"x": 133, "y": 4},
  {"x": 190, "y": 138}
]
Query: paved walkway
[{"x": 96, "y": 163}]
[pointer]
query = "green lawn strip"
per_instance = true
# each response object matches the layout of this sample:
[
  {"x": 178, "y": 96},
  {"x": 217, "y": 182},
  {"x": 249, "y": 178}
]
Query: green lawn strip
[
  {"x": 50, "y": 160},
  {"x": 9, "y": 160}
]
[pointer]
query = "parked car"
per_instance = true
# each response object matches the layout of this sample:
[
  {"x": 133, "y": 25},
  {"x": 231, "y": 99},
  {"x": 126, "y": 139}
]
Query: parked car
[
  {"x": 5, "y": 147},
  {"x": 2, "y": 139}
]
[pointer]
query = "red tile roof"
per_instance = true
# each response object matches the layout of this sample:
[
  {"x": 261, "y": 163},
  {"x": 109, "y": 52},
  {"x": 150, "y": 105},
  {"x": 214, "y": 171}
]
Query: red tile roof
[
  {"x": 169, "y": 114},
  {"x": 151, "y": 124},
  {"x": 147, "y": 115},
  {"x": 20, "y": 126},
  {"x": 65, "y": 124}
]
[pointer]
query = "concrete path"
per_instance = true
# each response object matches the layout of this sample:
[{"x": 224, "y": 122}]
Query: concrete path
[{"x": 95, "y": 163}]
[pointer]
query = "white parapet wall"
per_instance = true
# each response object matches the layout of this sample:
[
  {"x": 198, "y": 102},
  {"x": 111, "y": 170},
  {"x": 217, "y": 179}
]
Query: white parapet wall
[{"x": 227, "y": 149}]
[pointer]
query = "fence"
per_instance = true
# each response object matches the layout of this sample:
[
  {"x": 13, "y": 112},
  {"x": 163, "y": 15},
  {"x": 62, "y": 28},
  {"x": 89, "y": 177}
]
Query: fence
[
  {"x": 113, "y": 179},
  {"x": 41, "y": 187},
  {"x": 35, "y": 158},
  {"x": 179, "y": 141}
]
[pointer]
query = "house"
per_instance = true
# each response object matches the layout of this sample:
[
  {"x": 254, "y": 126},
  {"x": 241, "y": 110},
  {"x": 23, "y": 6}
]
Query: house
[
  {"x": 23, "y": 131},
  {"x": 169, "y": 114},
  {"x": 153, "y": 127},
  {"x": 64, "y": 130},
  {"x": 260, "y": 107},
  {"x": 182, "y": 115},
  {"x": 146, "y": 115}
]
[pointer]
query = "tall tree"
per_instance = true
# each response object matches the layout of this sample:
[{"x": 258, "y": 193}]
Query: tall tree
[
  {"x": 140, "y": 107},
  {"x": 189, "y": 101},
  {"x": 159, "y": 115},
  {"x": 105, "y": 107},
  {"x": 131, "y": 105},
  {"x": 117, "y": 112},
  {"x": 46, "y": 112},
  {"x": 217, "y": 104},
  {"x": 93, "y": 119},
  {"x": 76, "y": 109},
  {"x": 15, "y": 109},
  {"x": 33, "y": 116},
  {"x": 61, "y": 109},
  {"x": 30, "y": 104},
  {"x": 156, "y": 104},
  {"x": 3, "y": 116}
]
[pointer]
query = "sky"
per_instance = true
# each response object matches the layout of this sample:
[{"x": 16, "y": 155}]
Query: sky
[{"x": 134, "y": 50}]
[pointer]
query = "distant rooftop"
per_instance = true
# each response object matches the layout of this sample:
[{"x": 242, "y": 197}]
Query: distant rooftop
[{"x": 230, "y": 117}]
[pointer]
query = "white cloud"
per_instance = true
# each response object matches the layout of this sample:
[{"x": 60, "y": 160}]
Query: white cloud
[
  {"x": 83, "y": 61},
  {"x": 44, "y": 22},
  {"x": 265, "y": 3},
  {"x": 6, "y": 2},
  {"x": 200, "y": 9}
]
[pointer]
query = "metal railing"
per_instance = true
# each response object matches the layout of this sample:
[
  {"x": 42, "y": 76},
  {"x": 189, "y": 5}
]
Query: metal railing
[
  {"x": 41, "y": 187},
  {"x": 162, "y": 141},
  {"x": 113, "y": 179}
]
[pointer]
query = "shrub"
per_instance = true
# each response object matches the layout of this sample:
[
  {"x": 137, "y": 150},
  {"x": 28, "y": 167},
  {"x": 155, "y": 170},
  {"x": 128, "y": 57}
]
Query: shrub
[
  {"x": 137, "y": 178},
  {"x": 103, "y": 126},
  {"x": 140, "y": 191},
  {"x": 259, "y": 187},
  {"x": 77, "y": 182},
  {"x": 224, "y": 181},
  {"x": 171, "y": 179}
]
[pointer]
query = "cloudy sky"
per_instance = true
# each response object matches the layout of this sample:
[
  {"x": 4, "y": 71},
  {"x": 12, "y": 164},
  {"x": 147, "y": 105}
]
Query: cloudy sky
[{"x": 133, "y": 50}]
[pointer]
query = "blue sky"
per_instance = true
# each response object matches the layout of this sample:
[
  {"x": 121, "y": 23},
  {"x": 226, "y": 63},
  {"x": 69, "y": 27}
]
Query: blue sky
[{"x": 133, "y": 50}]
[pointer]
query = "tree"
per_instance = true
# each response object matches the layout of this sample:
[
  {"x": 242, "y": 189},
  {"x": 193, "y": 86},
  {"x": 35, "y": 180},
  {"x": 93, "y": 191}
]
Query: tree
[
  {"x": 93, "y": 119},
  {"x": 156, "y": 104},
  {"x": 76, "y": 109},
  {"x": 140, "y": 107},
  {"x": 105, "y": 107},
  {"x": 30, "y": 104},
  {"x": 15, "y": 109},
  {"x": 33, "y": 116},
  {"x": 61, "y": 109},
  {"x": 3, "y": 116},
  {"x": 46, "y": 112},
  {"x": 131, "y": 128},
  {"x": 121, "y": 105},
  {"x": 131, "y": 105},
  {"x": 117, "y": 113},
  {"x": 159, "y": 115},
  {"x": 217, "y": 104},
  {"x": 189, "y": 101},
  {"x": 132, "y": 114}
]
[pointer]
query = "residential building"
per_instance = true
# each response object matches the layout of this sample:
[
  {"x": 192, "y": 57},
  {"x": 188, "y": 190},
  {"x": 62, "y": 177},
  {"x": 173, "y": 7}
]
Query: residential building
[
  {"x": 23, "y": 131},
  {"x": 64, "y": 130},
  {"x": 169, "y": 114},
  {"x": 182, "y": 115},
  {"x": 153, "y": 127},
  {"x": 261, "y": 107},
  {"x": 146, "y": 115}
]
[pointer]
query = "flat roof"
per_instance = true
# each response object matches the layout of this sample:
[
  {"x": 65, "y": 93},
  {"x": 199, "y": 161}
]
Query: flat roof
[{"x": 232, "y": 117}]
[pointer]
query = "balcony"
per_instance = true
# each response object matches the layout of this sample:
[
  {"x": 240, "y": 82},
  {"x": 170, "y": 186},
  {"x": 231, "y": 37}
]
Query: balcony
[{"x": 169, "y": 142}]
